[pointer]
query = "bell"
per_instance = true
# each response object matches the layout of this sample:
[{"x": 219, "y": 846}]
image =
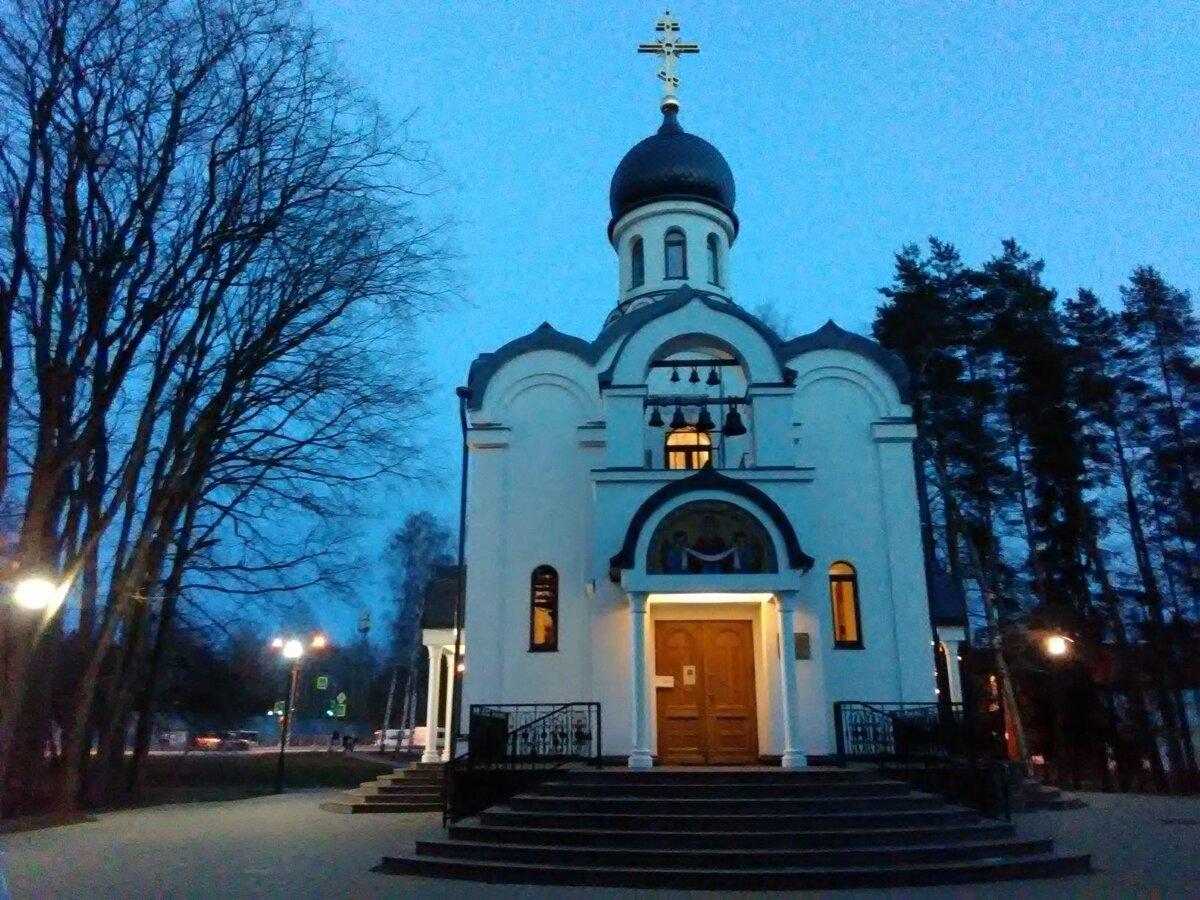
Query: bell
[
  {"x": 733, "y": 427},
  {"x": 694, "y": 378},
  {"x": 656, "y": 419},
  {"x": 713, "y": 378},
  {"x": 674, "y": 374},
  {"x": 705, "y": 422},
  {"x": 677, "y": 420}
]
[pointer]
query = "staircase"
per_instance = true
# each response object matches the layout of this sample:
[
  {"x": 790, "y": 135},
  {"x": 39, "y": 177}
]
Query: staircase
[
  {"x": 732, "y": 829},
  {"x": 1038, "y": 796},
  {"x": 414, "y": 789}
]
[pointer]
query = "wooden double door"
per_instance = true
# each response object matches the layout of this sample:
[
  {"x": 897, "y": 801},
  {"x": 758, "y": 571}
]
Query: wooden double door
[{"x": 709, "y": 713}]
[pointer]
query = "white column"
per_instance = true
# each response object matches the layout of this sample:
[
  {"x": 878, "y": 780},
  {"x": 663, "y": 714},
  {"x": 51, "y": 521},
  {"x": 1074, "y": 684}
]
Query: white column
[
  {"x": 447, "y": 748},
  {"x": 793, "y": 755},
  {"x": 431, "y": 705},
  {"x": 639, "y": 756},
  {"x": 953, "y": 670}
]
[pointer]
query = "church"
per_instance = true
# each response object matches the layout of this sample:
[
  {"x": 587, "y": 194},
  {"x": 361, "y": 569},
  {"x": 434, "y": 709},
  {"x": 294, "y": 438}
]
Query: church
[{"x": 709, "y": 529}]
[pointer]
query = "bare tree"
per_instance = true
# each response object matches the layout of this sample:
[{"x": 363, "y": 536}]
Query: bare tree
[{"x": 208, "y": 291}]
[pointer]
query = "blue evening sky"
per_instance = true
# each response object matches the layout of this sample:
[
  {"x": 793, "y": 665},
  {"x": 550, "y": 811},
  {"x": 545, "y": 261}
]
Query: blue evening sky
[{"x": 851, "y": 128}]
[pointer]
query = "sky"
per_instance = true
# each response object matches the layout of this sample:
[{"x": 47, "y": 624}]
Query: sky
[{"x": 851, "y": 129}]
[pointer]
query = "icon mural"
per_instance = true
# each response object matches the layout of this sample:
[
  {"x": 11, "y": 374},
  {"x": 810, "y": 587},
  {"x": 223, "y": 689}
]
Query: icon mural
[{"x": 710, "y": 537}]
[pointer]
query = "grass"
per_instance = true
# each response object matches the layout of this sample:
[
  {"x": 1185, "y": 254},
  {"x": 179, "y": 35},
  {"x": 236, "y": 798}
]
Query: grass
[{"x": 200, "y": 777}]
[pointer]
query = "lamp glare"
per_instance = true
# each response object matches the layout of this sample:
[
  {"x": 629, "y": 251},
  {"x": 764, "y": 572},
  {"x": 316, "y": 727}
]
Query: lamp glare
[
  {"x": 293, "y": 649},
  {"x": 35, "y": 593}
]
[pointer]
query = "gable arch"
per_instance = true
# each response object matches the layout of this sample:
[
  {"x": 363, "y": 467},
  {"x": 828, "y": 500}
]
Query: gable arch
[
  {"x": 883, "y": 402},
  {"x": 708, "y": 483}
]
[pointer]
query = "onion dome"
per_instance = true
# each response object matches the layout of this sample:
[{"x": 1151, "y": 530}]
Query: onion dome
[{"x": 671, "y": 165}]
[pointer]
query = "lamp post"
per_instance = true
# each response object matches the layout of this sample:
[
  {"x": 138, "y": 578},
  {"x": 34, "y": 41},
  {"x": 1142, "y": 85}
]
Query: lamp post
[
  {"x": 1058, "y": 648},
  {"x": 291, "y": 649}
]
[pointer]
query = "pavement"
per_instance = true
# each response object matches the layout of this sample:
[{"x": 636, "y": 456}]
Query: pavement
[{"x": 285, "y": 847}]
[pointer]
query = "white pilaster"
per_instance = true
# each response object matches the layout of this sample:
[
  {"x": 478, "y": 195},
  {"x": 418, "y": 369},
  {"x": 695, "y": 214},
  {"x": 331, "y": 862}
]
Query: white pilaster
[
  {"x": 953, "y": 670},
  {"x": 640, "y": 756},
  {"x": 793, "y": 755},
  {"x": 431, "y": 705},
  {"x": 448, "y": 717}
]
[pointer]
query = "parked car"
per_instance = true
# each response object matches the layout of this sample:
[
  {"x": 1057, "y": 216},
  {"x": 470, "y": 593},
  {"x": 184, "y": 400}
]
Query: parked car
[{"x": 221, "y": 740}]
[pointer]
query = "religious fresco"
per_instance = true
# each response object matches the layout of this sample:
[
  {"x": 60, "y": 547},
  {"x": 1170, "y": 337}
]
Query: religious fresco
[{"x": 711, "y": 537}]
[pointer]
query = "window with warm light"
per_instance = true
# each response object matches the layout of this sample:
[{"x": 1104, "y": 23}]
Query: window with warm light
[
  {"x": 687, "y": 448},
  {"x": 675, "y": 250},
  {"x": 637, "y": 263},
  {"x": 843, "y": 591},
  {"x": 543, "y": 609}
]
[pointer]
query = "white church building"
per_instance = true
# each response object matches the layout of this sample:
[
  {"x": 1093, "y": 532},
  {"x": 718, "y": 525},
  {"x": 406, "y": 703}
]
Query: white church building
[{"x": 710, "y": 529}]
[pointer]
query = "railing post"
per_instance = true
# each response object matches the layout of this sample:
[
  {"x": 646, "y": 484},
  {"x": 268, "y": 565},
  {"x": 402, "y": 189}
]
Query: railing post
[
  {"x": 839, "y": 732},
  {"x": 599, "y": 738}
]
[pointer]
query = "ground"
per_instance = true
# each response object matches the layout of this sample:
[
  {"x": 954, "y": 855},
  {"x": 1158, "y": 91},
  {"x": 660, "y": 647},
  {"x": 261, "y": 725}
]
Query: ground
[{"x": 284, "y": 846}]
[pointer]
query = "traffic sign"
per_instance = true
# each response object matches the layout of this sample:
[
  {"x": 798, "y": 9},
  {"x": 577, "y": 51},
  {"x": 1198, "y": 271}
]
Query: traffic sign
[
  {"x": 341, "y": 697},
  {"x": 278, "y": 708},
  {"x": 340, "y": 710},
  {"x": 322, "y": 682}
]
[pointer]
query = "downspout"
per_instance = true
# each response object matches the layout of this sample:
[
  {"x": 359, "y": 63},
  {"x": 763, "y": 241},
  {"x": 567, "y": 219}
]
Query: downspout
[
  {"x": 460, "y": 601},
  {"x": 941, "y": 661}
]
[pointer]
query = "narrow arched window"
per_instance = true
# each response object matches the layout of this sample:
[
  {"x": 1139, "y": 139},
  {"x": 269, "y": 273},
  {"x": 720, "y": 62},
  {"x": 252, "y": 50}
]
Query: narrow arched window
[
  {"x": 675, "y": 251},
  {"x": 688, "y": 448},
  {"x": 637, "y": 263},
  {"x": 543, "y": 609},
  {"x": 843, "y": 591},
  {"x": 714, "y": 260}
]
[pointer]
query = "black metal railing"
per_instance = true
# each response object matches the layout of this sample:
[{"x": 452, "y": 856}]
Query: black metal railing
[
  {"x": 511, "y": 747},
  {"x": 933, "y": 745}
]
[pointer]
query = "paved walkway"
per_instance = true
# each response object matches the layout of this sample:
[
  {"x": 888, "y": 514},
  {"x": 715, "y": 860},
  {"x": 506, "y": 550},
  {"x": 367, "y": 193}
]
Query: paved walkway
[{"x": 285, "y": 847}]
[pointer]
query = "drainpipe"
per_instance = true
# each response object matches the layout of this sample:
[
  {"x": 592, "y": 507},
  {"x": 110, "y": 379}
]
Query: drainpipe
[{"x": 460, "y": 601}]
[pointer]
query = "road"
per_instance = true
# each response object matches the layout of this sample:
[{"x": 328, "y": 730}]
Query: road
[{"x": 284, "y": 846}]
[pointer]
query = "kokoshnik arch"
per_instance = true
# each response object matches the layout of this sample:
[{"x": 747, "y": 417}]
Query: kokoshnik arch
[{"x": 709, "y": 529}]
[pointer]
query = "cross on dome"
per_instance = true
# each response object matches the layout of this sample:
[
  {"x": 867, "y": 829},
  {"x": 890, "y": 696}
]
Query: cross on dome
[{"x": 670, "y": 49}]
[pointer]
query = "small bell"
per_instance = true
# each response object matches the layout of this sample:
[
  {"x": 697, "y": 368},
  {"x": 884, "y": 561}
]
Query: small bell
[
  {"x": 656, "y": 419},
  {"x": 733, "y": 427},
  {"x": 674, "y": 374},
  {"x": 677, "y": 420},
  {"x": 713, "y": 378},
  {"x": 705, "y": 422},
  {"x": 694, "y": 378}
]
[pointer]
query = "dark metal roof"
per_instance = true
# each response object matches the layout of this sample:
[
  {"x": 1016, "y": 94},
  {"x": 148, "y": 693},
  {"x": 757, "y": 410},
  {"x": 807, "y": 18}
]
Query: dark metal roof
[
  {"x": 441, "y": 596},
  {"x": 671, "y": 165},
  {"x": 947, "y": 605}
]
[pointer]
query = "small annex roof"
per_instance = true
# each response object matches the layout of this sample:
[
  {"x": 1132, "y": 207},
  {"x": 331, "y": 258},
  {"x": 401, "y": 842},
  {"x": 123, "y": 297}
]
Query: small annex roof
[
  {"x": 441, "y": 597},
  {"x": 947, "y": 605},
  {"x": 546, "y": 337}
]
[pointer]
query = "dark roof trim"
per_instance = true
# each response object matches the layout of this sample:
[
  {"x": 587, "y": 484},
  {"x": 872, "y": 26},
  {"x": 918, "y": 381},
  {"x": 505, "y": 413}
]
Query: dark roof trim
[
  {"x": 707, "y": 479},
  {"x": 545, "y": 337},
  {"x": 832, "y": 337}
]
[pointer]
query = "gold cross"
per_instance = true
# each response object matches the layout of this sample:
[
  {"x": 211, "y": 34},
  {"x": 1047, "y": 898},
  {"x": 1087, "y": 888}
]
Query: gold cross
[{"x": 670, "y": 49}]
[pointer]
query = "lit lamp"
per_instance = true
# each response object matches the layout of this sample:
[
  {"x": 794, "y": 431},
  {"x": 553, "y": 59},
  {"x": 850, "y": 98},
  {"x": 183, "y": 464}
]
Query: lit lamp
[
  {"x": 36, "y": 593},
  {"x": 1057, "y": 647},
  {"x": 291, "y": 649}
]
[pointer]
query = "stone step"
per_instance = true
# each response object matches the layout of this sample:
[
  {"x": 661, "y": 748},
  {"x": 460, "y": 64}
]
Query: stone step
[
  {"x": 704, "y": 776},
  {"x": 786, "y": 788},
  {"x": 729, "y": 840},
  {"x": 635, "y": 856},
  {"x": 426, "y": 798},
  {"x": 757, "y": 821},
  {"x": 713, "y": 878},
  {"x": 351, "y": 805},
  {"x": 721, "y": 806},
  {"x": 401, "y": 790}
]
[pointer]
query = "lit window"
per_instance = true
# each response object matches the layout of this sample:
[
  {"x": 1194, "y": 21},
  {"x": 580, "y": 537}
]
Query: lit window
[
  {"x": 543, "y": 609},
  {"x": 843, "y": 591},
  {"x": 714, "y": 260},
  {"x": 675, "y": 247},
  {"x": 688, "y": 448},
  {"x": 637, "y": 263}
]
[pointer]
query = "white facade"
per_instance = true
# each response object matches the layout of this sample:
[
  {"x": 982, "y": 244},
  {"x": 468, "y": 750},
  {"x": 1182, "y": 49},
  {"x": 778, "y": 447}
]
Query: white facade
[{"x": 566, "y": 472}]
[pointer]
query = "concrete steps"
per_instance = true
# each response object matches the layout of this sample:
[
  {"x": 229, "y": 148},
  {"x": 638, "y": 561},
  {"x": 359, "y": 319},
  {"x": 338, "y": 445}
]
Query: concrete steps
[
  {"x": 415, "y": 789},
  {"x": 731, "y": 830},
  {"x": 1043, "y": 796}
]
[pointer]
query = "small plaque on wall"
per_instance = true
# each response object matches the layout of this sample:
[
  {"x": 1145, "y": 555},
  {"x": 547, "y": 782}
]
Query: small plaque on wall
[
  {"x": 803, "y": 645},
  {"x": 664, "y": 681}
]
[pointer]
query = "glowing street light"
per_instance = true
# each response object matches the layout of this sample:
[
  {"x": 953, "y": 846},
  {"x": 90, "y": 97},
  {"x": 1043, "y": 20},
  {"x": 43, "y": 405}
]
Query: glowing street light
[
  {"x": 291, "y": 649},
  {"x": 36, "y": 593},
  {"x": 1057, "y": 645}
]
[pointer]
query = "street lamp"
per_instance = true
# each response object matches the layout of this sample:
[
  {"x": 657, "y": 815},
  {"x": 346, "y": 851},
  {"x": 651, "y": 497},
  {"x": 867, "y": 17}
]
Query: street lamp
[
  {"x": 1058, "y": 647},
  {"x": 291, "y": 649},
  {"x": 36, "y": 593}
]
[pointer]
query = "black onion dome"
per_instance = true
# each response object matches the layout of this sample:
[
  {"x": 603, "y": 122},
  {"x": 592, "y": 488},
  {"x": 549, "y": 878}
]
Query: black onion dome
[{"x": 671, "y": 165}]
